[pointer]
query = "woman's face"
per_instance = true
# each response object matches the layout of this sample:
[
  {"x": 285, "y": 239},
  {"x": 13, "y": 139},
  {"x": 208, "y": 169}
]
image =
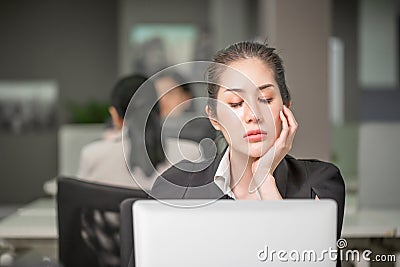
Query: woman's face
[{"x": 248, "y": 106}]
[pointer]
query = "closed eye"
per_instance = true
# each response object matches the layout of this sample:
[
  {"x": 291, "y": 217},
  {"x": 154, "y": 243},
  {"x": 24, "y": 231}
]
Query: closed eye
[
  {"x": 265, "y": 100},
  {"x": 236, "y": 105}
]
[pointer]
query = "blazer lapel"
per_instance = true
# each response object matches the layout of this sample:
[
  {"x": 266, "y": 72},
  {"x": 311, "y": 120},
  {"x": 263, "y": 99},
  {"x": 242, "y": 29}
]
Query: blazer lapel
[
  {"x": 281, "y": 177},
  {"x": 201, "y": 185}
]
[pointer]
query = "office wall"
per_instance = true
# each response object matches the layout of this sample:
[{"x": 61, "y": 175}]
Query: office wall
[
  {"x": 71, "y": 42},
  {"x": 232, "y": 21},
  {"x": 345, "y": 26},
  {"x": 300, "y": 30}
]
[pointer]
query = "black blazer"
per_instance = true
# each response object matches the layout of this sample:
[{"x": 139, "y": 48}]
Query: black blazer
[{"x": 295, "y": 179}]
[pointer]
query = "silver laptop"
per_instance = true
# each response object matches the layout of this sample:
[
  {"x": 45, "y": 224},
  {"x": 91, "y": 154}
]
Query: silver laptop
[{"x": 235, "y": 233}]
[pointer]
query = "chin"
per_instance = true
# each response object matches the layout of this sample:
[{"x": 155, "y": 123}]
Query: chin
[
  {"x": 255, "y": 155},
  {"x": 257, "y": 150}
]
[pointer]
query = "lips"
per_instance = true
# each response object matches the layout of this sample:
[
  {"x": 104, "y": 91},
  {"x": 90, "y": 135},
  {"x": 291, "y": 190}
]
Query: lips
[
  {"x": 255, "y": 135},
  {"x": 254, "y": 132}
]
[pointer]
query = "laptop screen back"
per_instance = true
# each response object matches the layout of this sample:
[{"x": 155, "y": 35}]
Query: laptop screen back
[{"x": 235, "y": 233}]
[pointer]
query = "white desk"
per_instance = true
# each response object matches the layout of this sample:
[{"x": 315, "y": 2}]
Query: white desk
[
  {"x": 372, "y": 223},
  {"x": 362, "y": 226},
  {"x": 33, "y": 228},
  {"x": 369, "y": 223},
  {"x": 36, "y": 220}
]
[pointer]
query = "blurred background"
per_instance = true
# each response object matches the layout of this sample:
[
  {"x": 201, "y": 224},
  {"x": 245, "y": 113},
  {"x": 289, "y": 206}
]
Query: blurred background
[{"x": 60, "y": 59}]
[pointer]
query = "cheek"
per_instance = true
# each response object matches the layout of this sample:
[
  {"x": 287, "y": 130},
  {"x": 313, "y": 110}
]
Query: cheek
[
  {"x": 230, "y": 124},
  {"x": 227, "y": 117}
]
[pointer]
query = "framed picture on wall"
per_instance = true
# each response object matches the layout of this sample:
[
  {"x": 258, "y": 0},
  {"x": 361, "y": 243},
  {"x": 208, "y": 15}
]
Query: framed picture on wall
[
  {"x": 28, "y": 106},
  {"x": 157, "y": 46}
]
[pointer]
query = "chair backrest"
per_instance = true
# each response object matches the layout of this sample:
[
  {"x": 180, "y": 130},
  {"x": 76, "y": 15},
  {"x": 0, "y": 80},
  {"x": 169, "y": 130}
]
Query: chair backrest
[
  {"x": 88, "y": 222},
  {"x": 378, "y": 165},
  {"x": 126, "y": 233}
]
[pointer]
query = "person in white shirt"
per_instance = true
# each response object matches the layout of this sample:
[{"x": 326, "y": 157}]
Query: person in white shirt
[{"x": 105, "y": 161}]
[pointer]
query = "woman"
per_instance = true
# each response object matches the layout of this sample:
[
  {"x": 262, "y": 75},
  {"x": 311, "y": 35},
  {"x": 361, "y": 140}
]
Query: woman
[{"x": 249, "y": 104}]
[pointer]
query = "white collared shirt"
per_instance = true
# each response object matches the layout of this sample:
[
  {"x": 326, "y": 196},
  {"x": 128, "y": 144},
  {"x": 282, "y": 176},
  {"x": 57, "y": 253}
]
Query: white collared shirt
[{"x": 222, "y": 176}]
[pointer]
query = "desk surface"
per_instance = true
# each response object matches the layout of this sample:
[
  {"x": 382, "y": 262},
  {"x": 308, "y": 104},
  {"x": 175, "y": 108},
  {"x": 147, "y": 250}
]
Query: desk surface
[
  {"x": 367, "y": 223},
  {"x": 37, "y": 220},
  {"x": 372, "y": 223}
]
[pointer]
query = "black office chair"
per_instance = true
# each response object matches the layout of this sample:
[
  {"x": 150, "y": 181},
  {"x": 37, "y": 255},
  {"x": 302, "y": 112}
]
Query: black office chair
[
  {"x": 126, "y": 233},
  {"x": 88, "y": 222}
]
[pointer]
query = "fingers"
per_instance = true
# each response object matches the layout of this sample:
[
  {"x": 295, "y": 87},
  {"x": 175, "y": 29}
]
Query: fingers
[
  {"x": 290, "y": 118},
  {"x": 285, "y": 127},
  {"x": 292, "y": 124},
  {"x": 283, "y": 143}
]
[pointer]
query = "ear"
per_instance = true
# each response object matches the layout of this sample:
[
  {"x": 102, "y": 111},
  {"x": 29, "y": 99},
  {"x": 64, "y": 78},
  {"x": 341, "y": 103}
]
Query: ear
[
  {"x": 213, "y": 121},
  {"x": 117, "y": 120}
]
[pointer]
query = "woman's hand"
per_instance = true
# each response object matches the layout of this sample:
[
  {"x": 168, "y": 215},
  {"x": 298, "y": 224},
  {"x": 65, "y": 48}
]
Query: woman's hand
[
  {"x": 285, "y": 140},
  {"x": 264, "y": 167}
]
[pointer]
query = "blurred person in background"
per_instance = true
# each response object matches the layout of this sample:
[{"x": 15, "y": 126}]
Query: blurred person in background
[
  {"x": 179, "y": 115},
  {"x": 104, "y": 162}
]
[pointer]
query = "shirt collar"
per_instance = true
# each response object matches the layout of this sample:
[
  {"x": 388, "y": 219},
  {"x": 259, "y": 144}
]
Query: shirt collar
[{"x": 222, "y": 176}]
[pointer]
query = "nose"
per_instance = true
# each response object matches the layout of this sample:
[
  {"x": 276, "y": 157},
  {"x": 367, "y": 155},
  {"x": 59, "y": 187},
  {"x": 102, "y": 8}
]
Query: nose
[{"x": 251, "y": 113}]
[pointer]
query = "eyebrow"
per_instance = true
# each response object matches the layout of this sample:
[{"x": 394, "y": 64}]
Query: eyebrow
[
  {"x": 262, "y": 87},
  {"x": 266, "y": 86}
]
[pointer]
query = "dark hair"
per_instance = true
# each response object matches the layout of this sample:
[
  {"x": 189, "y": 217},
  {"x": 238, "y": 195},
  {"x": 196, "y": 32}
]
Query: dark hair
[
  {"x": 123, "y": 91},
  {"x": 121, "y": 96},
  {"x": 245, "y": 50}
]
